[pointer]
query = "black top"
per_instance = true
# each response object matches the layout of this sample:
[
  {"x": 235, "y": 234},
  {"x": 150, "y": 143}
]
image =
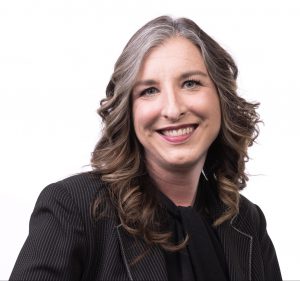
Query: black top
[{"x": 203, "y": 258}]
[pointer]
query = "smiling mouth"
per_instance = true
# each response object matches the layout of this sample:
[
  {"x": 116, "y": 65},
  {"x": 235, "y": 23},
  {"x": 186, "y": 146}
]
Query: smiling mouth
[
  {"x": 177, "y": 133},
  {"x": 182, "y": 131}
]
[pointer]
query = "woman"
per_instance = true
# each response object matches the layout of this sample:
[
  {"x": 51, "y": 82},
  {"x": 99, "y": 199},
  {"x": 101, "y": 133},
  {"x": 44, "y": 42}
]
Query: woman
[{"x": 162, "y": 201}]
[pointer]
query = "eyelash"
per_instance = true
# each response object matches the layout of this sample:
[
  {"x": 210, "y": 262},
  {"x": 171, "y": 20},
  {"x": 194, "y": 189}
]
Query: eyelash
[
  {"x": 196, "y": 82},
  {"x": 146, "y": 91}
]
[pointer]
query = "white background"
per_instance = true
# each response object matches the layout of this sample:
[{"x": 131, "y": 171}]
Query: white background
[{"x": 56, "y": 58}]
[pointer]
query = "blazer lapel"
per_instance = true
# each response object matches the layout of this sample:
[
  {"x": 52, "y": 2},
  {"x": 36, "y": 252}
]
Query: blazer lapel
[
  {"x": 151, "y": 266},
  {"x": 238, "y": 249},
  {"x": 236, "y": 242}
]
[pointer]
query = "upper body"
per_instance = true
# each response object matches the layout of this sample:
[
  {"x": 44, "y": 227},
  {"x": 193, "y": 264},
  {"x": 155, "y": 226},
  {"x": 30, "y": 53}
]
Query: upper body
[
  {"x": 65, "y": 243},
  {"x": 171, "y": 117}
]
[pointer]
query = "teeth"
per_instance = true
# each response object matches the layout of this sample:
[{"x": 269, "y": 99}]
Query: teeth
[{"x": 179, "y": 132}]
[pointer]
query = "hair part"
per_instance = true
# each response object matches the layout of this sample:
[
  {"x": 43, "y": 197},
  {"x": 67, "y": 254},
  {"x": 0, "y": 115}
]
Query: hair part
[{"x": 118, "y": 156}]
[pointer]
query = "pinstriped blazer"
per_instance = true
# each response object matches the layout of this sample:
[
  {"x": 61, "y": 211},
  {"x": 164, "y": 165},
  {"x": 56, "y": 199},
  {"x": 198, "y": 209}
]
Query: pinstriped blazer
[{"x": 64, "y": 243}]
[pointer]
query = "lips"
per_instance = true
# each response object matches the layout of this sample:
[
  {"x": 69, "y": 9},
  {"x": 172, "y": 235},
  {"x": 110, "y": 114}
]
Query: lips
[{"x": 177, "y": 134}]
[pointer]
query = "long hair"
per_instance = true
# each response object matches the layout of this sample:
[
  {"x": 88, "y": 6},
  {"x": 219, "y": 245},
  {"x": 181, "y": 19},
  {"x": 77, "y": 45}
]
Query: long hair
[{"x": 118, "y": 156}]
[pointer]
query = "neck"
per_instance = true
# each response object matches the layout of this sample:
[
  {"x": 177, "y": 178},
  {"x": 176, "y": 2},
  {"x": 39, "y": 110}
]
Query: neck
[{"x": 179, "y": 185}]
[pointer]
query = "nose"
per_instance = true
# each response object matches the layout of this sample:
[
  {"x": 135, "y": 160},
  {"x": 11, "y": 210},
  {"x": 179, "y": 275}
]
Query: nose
[{"x": 173, "y": 107}]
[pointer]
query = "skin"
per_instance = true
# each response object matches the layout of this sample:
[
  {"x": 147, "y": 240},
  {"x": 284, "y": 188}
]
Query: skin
[{"x": 174, "y": 91}]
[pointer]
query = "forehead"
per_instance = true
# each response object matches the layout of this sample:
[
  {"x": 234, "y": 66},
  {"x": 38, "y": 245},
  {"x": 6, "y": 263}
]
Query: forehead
[{"x": 174, "y": 55}]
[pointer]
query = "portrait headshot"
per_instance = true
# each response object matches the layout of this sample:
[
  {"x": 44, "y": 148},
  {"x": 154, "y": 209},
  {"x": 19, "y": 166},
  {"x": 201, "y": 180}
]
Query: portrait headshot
[{"x": 149, "y": 145}]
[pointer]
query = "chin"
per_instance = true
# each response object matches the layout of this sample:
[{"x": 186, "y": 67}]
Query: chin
[{"x": 182, "y": 163}]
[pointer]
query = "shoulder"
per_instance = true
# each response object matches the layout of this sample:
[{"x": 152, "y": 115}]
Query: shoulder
[
  {"x": 82, "y": 185},
  {"x": 250, "y": 217},
  {"x": 76, "y": 192},
  {"x": 249, "y": 209}
]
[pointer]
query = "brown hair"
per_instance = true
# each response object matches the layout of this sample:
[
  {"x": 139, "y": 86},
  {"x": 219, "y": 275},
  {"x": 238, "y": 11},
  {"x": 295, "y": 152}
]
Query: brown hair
[{"x": 118, "y": 156}]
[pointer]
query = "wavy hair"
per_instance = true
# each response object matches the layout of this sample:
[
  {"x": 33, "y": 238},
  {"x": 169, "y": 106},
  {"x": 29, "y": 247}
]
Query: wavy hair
[{"x": 118, "y": 156}]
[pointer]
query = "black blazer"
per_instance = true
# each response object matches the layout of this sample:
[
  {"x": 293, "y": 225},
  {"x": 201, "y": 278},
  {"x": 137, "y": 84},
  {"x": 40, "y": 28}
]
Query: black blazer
[{"x": 64, "y": 243}]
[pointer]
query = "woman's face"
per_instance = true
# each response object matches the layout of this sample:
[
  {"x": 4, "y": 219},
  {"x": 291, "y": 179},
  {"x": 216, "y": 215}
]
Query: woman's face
[{"x": 176, "y": 110}]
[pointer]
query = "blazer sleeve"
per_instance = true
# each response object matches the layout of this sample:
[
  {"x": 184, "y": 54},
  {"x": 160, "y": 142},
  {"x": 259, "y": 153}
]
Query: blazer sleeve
[
  {"x": 270, "y": 262},
  {"x": 54, "y": 248}
]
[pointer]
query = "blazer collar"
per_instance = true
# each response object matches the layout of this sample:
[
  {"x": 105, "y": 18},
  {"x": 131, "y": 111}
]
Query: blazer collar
[
  {"x": 236, "y": 242},
  {"x": 151, "y": 266},
  {"x": 237, "y": 245}
]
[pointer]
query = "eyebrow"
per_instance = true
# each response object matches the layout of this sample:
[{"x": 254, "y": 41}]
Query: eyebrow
[
  {"x": 191, "y": 73},
  {"x": 184, "y": 75}
]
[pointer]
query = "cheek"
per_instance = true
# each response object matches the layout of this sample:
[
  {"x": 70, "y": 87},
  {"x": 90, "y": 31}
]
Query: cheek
[
  {"x": 145, "y": 114},
  {"x": 207, "y": 108}
]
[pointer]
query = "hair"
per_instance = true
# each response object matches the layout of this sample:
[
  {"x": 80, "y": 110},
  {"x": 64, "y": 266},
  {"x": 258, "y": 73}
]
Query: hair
[{"x": 118, "y": 156}]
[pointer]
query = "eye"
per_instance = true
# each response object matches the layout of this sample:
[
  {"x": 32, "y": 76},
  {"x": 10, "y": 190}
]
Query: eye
[
  {"x": 149, "y": 92},
  {"x": 190, "y": 84}
]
